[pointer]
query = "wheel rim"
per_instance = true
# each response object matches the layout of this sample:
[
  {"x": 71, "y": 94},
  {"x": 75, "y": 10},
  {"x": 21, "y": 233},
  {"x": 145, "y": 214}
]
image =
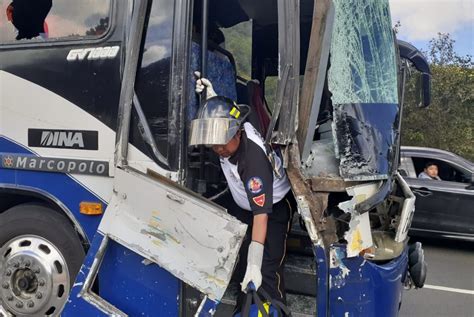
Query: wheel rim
[{"x": 34, "y": 277}]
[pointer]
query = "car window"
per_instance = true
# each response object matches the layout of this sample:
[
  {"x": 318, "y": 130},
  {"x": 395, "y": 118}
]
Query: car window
[{"x": 446, "y": 171}]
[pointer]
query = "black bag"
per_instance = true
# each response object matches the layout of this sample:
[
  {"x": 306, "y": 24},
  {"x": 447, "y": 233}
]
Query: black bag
[{"x": 254, "y": 306}]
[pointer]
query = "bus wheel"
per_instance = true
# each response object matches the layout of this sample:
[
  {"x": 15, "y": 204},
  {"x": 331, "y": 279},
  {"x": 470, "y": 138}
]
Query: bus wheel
[{"x": 40, "y": 255}]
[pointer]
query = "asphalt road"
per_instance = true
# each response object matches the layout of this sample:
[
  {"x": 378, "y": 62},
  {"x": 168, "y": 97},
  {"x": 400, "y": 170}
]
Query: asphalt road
[{"x": 449, "y": 287}]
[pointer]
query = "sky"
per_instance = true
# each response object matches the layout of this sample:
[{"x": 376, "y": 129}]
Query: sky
[{"x": 421, "y": 21}]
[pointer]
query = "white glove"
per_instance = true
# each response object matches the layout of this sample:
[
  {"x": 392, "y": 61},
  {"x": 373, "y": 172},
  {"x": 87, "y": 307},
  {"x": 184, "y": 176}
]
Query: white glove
[
  {"x": 204, "y": 83},
  {"x": 254, "y": 265}
]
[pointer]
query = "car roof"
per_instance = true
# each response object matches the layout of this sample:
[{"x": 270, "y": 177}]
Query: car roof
[{"x": 437, "y": 153}]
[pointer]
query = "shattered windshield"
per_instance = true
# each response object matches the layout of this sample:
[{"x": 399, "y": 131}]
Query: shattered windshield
[
  {"x": 363, "y": 65},
  {"x": 362, "y": 79}
]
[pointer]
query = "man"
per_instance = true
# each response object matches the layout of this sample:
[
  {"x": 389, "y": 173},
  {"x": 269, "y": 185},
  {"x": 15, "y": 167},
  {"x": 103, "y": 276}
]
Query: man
[
  {"x": 259, "y": 189},
  {"x": 430, "y": 172},
  {"x": 28, "y": 17}
]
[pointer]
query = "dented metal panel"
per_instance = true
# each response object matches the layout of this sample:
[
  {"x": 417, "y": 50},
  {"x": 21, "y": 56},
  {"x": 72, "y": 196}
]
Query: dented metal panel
[
  {"x": 408, "y": 209},
  {"x": 358, "y": 287},
  {"x": 363, "y": 82},
  {"x": 365, "y": 134},
  {"x": 193, "y": 239}
]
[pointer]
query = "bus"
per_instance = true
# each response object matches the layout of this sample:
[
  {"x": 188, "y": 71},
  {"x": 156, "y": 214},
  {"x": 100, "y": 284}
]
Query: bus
[{"x": 106, "y": 210}]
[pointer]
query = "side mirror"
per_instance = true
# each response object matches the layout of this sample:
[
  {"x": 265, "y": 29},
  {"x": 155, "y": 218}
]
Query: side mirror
[
  {"x": 425, "y": 90},
  {"x": 411, "y": 53}
]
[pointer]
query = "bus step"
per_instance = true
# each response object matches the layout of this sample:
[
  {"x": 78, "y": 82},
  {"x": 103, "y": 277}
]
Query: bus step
[
  {"x": 300, "y": 274},
  {"x": 298, "y": 240}
]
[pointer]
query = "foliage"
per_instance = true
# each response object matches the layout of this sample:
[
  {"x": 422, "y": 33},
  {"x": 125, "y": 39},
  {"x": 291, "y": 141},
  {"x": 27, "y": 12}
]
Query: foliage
[
  {"x": 448, "y": 122},
  {"x": 100, "y": 29},
  {"x": 239, "y": 43}
]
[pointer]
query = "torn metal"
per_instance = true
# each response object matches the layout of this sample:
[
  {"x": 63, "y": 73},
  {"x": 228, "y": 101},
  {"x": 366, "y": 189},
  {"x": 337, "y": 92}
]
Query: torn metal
[
  {"x": 289, "y": 60},
  {"x": 408, "y": 209},
  {"x": 322, "y": 168},
  {"x": 86, "y": 290},
  {"x": 359, "y": 235},
  {"x": 311, "y": 205},
  {"x": 305, "y": 213},
  {"x": 365, "y": 135},
  {"x": 169, "y": 225},
  {"x": 336, "y": 256}
]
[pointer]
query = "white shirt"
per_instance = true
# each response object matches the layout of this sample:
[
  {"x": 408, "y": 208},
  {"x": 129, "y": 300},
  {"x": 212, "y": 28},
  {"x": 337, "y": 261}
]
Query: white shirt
[{"x": 250, "y": 184}]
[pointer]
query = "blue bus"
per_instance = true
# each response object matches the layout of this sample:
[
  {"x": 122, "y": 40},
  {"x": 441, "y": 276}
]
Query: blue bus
[{"x": 106, "y": 210}]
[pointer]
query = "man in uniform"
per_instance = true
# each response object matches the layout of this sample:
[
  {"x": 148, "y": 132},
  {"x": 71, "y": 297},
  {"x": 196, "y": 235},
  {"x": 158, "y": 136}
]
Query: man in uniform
[{"x": 259, "y": 189}]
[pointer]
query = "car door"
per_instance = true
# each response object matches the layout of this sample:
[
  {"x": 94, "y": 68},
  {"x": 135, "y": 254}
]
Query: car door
[
  {"x": 441, "y": 206},
  {"x": 421, "y": 218}
]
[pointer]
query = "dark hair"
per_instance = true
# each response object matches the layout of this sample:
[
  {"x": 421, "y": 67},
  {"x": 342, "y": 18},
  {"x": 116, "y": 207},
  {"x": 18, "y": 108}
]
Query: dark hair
[
  {"x": 29, "y": 16},
  {"x": 430, "y": 163}
]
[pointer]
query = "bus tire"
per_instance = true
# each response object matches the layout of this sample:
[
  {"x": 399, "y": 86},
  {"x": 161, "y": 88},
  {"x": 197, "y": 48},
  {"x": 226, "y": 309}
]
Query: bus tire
[{"x": 40, "y": 255}]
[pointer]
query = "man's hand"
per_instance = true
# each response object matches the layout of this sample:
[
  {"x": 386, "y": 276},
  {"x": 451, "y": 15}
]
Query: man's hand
[
  {"x": 254, "y": 265},
  {"x": 204, "y": 83}
]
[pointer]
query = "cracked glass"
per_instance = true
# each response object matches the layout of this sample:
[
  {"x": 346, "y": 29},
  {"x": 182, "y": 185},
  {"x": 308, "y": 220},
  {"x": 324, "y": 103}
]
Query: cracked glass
[{"x": 363, "y": 65}]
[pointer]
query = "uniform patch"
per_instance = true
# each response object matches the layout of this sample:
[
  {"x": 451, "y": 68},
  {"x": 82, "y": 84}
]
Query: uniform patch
[
  {"x": 259, "y": 200},
  {"x": 255, "y": 185}
]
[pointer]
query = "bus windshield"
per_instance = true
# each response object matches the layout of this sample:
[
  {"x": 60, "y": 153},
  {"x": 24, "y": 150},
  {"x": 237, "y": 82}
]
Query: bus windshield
[
  {"x": 362, "y": 79},
  {"x": 363, "y": 64}
]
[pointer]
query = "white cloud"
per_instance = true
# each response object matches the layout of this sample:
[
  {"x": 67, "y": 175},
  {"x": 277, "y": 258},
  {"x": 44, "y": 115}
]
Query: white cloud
[
  {"x": 154, "y": 53},
  {"x": 423, "y": 19}
]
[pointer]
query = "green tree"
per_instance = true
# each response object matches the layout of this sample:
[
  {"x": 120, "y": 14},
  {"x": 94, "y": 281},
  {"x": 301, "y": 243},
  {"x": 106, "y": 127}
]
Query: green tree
[
  {"x": 448, "y": 122},
  {"x": 239, "y": 43}
]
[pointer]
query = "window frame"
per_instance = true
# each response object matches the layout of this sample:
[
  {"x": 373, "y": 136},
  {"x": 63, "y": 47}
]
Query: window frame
[
  {"x": 113, "y": 16},
  {"x": 154, "y": 153},
  {"x": 178, "y": 95},
  {"x": 174, "y": 158},
  {"x": 411, "y": 167}
]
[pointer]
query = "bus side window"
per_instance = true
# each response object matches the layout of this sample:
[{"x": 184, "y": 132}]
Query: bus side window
[
  {"x": 153, "y": 78},
  {"x": 47, "y": 20}
]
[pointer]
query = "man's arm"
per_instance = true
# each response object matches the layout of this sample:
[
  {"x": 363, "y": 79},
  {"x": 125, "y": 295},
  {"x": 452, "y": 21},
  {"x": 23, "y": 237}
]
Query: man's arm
[
  {"x": 258, "y": 181},
  {"x": 259, "y": 230}
]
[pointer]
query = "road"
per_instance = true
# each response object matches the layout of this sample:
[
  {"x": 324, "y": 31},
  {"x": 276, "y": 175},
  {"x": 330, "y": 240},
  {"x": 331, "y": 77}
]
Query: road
[{"x": 449, "y": 290}]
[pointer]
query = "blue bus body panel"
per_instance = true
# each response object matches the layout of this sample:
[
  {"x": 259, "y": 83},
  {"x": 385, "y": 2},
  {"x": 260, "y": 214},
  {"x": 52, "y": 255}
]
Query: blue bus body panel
[
  {"x": 323, "y": 277},
  {"x": 128, "y": 284},
  {"x": 62, "y": 187},
  {"x": 140, "y": 290},
  {"x": 75, "y": 305},
  {"x": 358, "y": 287}
]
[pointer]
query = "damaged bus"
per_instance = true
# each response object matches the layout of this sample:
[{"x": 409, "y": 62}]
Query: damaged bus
[{"x": 106, "y": 210}]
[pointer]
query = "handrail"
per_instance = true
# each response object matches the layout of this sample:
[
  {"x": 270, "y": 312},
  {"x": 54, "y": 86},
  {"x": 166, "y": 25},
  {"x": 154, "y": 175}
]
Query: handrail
[{"x": 146, "y": 132}]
